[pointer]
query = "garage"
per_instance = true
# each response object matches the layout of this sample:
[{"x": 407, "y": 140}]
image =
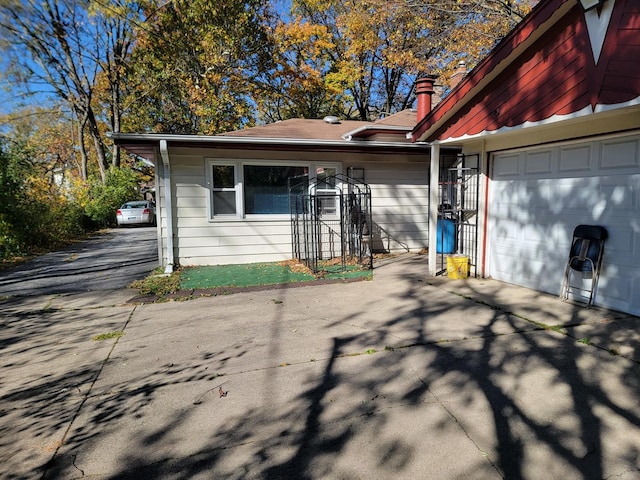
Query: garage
[
  {"x": 553, "y": 113},
  {"x": 537, "y": 196}
]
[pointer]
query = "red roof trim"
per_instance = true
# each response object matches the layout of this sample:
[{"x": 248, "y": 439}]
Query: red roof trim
[
  {"x": 546, "y": 11},
  {"x": 552, "y": 76}
]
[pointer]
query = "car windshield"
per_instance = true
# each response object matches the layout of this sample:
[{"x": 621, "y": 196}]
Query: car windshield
[{"x": 135, "y": 205}]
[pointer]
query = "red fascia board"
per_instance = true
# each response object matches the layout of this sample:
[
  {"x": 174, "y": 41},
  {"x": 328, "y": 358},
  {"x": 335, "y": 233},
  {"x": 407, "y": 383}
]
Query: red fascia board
[{"x": 492, "y": 64}]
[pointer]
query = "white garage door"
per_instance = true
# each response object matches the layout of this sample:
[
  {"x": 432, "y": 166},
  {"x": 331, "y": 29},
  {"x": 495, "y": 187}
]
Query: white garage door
[{"x": 538, "y": 196}]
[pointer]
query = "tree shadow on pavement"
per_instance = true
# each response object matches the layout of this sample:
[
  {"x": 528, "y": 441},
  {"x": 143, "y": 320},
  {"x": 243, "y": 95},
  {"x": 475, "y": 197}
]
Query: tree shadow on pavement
[{"x": 500, "y": 396}]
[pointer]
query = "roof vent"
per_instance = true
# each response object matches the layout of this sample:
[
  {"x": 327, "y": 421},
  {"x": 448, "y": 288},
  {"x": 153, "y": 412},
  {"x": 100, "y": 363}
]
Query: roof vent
[{"x": 331, "y": 119}]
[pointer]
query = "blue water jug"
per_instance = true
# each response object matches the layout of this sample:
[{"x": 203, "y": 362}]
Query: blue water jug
[{"x": 446, "y": 231}]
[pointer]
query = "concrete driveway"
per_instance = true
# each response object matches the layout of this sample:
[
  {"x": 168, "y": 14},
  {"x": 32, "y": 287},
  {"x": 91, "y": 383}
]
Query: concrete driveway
[{"x": 403, "y": 377}]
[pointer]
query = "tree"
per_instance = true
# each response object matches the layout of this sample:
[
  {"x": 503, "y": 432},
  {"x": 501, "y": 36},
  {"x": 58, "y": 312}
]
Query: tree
[
  {"x": 118, "y": 21},
  {"x": 37, "y": 205},
  {"x": 381, "y": 47},
  {"x": 10, "y": 197},
  {"x": 106, "y": 197},
  {"x": 195, "y": 64},
  {"x": 63, "y": 46},
  {"x": 479, "y": 25},
  {"x": 301, "y": 81}
]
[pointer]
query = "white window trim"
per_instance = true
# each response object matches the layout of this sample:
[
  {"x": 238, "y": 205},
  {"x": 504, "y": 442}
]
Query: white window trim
[
  {"x": 239, "y": 185},
  {"x": 237, "y": 188}
]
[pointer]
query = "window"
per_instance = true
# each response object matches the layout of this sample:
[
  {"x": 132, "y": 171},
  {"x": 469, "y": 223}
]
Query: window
[
  {"x": 223, "y": 189},
  {"x": 266, "y": 188},
  {"x": 240, "y": 190},
  {"x": 326, "y": 190}
]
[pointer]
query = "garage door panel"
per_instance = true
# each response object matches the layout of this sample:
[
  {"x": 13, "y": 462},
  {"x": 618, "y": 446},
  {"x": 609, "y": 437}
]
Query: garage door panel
[
  {"x": 562, "y": 196},
  {"x": 536, "y": 163},
  {"x": 621, "y": 247},
  {"x": 539, "y": 197},
  {"x": 514, "y": 193},
  {"x": 506, "y": 166},
  {"x": 612, "y": 282},
  {"x": 620, "y": 193},
  {"x": 529, "y": 271},
  {"x": 619, "y": 154},
  {"x": 576, "y": 160}
]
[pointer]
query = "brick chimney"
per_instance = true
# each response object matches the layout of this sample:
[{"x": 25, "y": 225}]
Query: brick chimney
[
  {"x": 424, "y": 93},
  {"x": 458, "y": 75}
]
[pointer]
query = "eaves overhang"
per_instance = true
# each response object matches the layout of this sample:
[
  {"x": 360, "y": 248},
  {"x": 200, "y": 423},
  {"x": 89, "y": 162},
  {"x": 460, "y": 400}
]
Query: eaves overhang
[
  {"x": 543, "y": 17},
  {"x": 585, "y": 123},
  {"x": 144, "y": 144}
]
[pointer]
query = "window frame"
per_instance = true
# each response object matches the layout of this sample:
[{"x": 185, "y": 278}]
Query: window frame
[
  {"x": 238, "y": 165},
  {"x": 328, "y": 192},
  {"x": 212, "y": 189}
]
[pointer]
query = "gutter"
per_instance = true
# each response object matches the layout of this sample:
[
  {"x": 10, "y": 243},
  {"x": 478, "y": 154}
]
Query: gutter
[
  {"x": 168, "y": 206},
  {"x": 244, "y": 141}
]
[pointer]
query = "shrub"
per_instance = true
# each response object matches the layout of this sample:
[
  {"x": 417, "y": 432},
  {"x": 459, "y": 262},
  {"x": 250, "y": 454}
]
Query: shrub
[
  {"x": 10, "y": 246},
  {"x": 120, "y": 186}
]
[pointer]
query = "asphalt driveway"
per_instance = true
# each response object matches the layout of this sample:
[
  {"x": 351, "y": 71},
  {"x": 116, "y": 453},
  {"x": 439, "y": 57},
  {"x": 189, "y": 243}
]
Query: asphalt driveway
[{"x": 109, "y": 260}]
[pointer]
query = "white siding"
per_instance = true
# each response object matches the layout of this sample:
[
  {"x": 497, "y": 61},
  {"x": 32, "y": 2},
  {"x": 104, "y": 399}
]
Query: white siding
[
  {"x": 399, "y": 204},
  {"x": 538, "y": 196}
]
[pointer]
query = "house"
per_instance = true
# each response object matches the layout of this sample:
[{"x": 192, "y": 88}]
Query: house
[
  {"x": 223, "y": 199},
  {"x": 553, "y": 117},
  {"x": 544, "y": 133}
]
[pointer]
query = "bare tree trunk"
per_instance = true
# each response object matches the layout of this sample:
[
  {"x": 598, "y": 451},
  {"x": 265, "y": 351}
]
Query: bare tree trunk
[
  {"x": 84, "y": 172},
  {"x": 115, "y": 109},
  {"x": 98, "y": 146}
]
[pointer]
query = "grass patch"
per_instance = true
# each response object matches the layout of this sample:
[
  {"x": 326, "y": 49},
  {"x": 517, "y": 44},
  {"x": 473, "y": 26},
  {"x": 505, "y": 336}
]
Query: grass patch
[
  {"x": 586, "y": 341},
  {"x": 239, "y": 276},
  {"x": 253, "y": 274},
  {"x": 556, "y": 328},
  {"x": 158, "y": 283},
  {"x": 107, "y": 336},
  {"x": 257, "y": 274}
]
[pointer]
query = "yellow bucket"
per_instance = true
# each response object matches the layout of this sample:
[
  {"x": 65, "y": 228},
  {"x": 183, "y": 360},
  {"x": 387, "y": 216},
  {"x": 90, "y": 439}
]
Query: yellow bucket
[{"x": 457, "y": 266}]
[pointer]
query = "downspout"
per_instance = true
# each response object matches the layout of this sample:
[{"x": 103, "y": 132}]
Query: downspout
[
  {"x": 168, "y": 204},
  {"x": 485, "y": 207},
  {"x": 434, "y": 175}
]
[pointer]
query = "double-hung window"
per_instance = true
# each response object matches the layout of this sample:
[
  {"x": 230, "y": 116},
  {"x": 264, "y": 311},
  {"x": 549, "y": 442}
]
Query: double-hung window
[
  {"x": 260, "y": 190},
  {"x": 224, "y": 189},
  {"x": 326, "y": 190}
]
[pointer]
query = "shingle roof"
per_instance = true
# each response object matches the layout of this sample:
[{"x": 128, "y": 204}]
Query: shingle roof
[
  {"x": 313, "y": 129},
  {"x": 405, "y": 118},
  {"x": 300, "y": 128}
]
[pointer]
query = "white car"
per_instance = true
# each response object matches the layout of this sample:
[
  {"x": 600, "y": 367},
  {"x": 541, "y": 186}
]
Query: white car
[{"x": 138, "y": 212}]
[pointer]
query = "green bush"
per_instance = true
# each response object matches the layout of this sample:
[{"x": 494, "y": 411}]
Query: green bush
[
  {"x": 37, "y": 215},
  {"x": 120, "y": 186},
  {"x": 10, "y": 246},
  {"x": 33, "y": 220}
]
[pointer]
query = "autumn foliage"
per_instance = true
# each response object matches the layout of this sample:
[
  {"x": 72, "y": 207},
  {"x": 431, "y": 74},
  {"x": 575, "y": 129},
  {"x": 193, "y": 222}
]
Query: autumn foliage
[{"x": 200, "y": 67}]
